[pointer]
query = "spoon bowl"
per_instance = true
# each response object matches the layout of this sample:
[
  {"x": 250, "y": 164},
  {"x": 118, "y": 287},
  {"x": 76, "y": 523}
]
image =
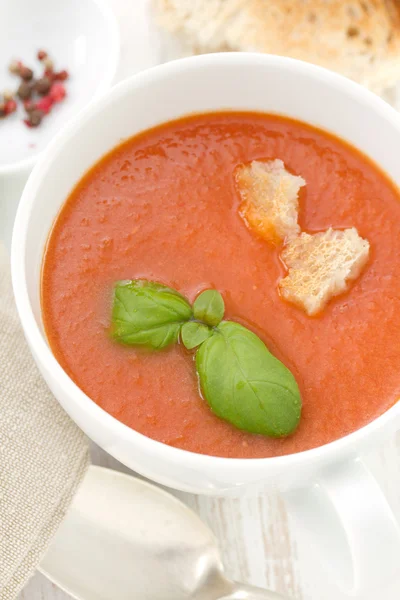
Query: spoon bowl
[{"x": 125, "y": 538}]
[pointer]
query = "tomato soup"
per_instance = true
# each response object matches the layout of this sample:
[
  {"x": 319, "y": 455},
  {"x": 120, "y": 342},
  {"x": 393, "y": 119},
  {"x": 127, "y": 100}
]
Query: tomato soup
[{"x": 163, "y": 206}]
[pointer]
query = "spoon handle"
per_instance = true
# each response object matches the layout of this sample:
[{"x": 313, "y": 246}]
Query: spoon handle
[{"x": 240, "y": 591}]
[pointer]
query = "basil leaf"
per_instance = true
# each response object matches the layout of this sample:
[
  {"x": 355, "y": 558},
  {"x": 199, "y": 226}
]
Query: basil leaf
[
  {"x": 209, "y": 307},
  {"x": 148, "y": 314},
  {"x": 193, "y": 334},
  {"x": 245, "y": 384}
]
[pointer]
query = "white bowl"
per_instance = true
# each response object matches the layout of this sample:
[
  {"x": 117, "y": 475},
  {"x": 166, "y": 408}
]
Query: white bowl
[{"x": 212, "y": 82}]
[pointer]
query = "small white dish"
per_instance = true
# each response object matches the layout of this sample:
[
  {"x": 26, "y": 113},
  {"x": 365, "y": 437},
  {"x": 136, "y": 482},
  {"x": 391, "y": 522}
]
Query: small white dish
[{"x": 81, "y": 36}]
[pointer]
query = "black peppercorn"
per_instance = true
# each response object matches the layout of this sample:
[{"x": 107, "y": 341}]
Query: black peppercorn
[
  {"x": 42, "y": 86},
  {"x": 35, "y": 117},
  {"x": 25, "y": 73},
  {"x": 24, "y": 91}
]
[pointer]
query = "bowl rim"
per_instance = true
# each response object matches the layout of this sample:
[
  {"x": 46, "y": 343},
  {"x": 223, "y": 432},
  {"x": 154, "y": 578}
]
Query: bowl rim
[
  {"x": 330, "y": 452},
  {"x": 108, "y": 74}
]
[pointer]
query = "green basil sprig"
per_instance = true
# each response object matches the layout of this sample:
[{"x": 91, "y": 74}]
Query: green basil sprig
[
  {"x": 209, "y": 307},
  {"x": 245, "y": 384},
  {"x": 240, "y": 379},
  {"x": 194, "y": 333},
  {"x": 148, "y": 314}
]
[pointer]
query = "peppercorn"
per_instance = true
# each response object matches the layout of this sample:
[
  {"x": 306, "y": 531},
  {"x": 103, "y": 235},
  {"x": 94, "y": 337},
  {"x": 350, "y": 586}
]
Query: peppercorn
[
  {"x": 48, "y": 64},
  {"x": 25, "y": 90},
  {"x": 8, "y": 95},
  {"x": 25, "y": 73},
  {"x": 10, "y": 107},
  {"x": 49, "y": 74},
  {"x": 35, "y": 118},
  {"x": 42, "y": 86},
  {"x": 37, "y": 95},
  {"x": 29, "y": 106},
  {"x": 61, "y": 75},
  {"x": 14, "y": 67},
  {"x": 45, "y": 104},
  {"x": 57, "y": 92}
]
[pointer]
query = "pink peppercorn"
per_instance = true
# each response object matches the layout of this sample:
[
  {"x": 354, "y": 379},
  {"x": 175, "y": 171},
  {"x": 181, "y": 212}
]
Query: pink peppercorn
[
  {"x": 45, "y": 104},
  {"x": 10, "y": 107},
  {"x": 57, "y": 92},
  {"x": 49, "y": 74},
  {"x": 61, "y": 75},
  {"x": 29, "y": 105}
]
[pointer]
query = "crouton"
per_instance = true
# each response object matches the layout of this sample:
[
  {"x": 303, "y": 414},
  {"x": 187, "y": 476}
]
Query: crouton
[
  {"x": 269, "y": 196},
  {"x": 320, "y": 266}
]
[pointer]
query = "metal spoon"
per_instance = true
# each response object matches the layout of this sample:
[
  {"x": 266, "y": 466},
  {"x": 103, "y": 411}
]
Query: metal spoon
[{"x": 124, "y": 539}]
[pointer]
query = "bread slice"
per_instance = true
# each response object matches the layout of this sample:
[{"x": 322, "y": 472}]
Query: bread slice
[
  {"x": 320, "y": 266},
  {"x": 359, "y": 38},
  {"x": 269, "y": 196}
]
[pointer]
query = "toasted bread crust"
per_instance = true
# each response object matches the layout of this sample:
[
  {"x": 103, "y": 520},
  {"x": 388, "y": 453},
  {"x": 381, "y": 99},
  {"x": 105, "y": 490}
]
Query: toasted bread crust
[{"x": 359, "y": 38}]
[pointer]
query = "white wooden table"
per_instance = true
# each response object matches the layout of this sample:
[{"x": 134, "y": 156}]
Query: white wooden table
[{"x": 258, "y": 544}]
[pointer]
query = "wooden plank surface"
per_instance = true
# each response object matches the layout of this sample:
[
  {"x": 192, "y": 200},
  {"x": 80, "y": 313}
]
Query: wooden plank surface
[{"x": 258, "y": 544}]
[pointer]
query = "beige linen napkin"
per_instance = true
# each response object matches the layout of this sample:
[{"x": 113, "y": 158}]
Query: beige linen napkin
[{"x": 43, "y": 454}]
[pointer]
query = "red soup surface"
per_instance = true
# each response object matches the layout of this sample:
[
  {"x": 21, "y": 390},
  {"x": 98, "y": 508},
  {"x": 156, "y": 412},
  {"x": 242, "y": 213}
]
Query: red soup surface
[{"x": 163, "y": 206}]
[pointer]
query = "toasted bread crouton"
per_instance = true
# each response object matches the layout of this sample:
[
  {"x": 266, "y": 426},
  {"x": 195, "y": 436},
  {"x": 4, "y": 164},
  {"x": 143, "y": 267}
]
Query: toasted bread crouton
[
  {"x": 269, "y": 196},
  {"x": 320, "y": 266}
]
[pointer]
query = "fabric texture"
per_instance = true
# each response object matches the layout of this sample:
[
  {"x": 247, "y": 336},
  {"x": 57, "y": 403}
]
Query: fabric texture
[{"x": 43, "y": 454}]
